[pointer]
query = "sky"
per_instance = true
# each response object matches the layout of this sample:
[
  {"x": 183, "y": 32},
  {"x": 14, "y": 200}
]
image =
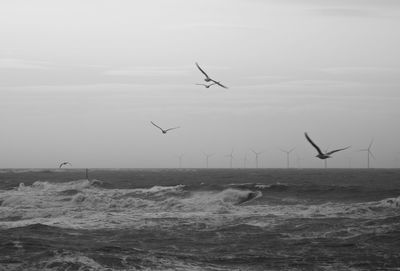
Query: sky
[{"x": 80, "y": 81}]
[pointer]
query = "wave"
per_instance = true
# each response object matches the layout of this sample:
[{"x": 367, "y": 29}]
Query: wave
[
  {"x": 71, "y": 260},
  {"x": 312, "y": 189},
  {"x": 84, "y": 203},
  {"x": 390, "y": 202},
  {"x": 270, "y": 187}
]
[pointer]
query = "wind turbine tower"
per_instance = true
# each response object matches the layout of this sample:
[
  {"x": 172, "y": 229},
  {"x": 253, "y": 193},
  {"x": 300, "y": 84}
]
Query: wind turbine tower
[
  {"x": 326, "y": 160},
  {"x": 256, "y": 154},
  {"x": 231, "y": 158},
  {"x": 287, "y": 156},
  {"x": 208, "y": 155},
  {"x": 180, "y": 160},
  {"x": 298, "y": 161}
]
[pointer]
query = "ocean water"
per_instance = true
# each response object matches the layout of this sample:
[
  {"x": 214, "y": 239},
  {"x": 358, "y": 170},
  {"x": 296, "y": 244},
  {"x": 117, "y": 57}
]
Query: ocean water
[{"x": 197, "y": 219}]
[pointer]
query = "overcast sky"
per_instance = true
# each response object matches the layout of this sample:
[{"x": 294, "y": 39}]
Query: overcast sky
[{"x": 80, "y": 81}]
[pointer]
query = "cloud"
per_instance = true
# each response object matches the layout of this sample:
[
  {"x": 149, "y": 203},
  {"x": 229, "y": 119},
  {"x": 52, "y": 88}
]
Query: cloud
[
  {"x": 360, "y": 70},
  {"x": 351, "y": 76},
  {"x": 147, "y": 71},
  {"x": 15, "y": 63},
  {"x": 212, "y": 25},
  {"x": 344, "y": 12}
]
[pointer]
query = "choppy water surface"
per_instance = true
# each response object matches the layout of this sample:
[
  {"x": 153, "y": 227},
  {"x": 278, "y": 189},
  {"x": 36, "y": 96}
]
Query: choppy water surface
[{"x": 200, "y": 220}]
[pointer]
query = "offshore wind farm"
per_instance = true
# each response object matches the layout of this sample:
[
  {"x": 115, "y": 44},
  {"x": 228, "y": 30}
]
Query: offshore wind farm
[{"x": 196, "y": 135}]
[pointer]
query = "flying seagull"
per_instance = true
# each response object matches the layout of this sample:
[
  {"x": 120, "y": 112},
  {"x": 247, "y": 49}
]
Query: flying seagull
[
  {"x": 208, "y": 79},
  {"x": 64, "y": 164},
  {"x": 205, "y": 85},
  {"x": 162, "y": 130},
  {"x": 322, "y": 155}
]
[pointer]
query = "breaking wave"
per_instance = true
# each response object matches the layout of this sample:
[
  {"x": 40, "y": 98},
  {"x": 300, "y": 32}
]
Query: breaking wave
[{"x": 85, "y": 204}]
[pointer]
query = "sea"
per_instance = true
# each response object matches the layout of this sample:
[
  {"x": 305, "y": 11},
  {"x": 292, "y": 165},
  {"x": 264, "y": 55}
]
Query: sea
[{"x": 200, "y": 219}]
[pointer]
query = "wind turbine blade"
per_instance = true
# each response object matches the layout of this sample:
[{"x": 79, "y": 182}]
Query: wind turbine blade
[
  {"x": 370, "y": 144},
  {"x": 282, "y": 150},
  {"x": 371, "y": 154}
]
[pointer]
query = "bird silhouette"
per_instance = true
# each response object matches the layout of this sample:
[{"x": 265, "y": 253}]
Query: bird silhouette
[
  {"x": 205, "y": 85},
  {"x": 322, "y": 155},
  {"x": 164, "y": 131},
  {"x": 64, "y": 164},
  {"x": 208, "y": 78}
]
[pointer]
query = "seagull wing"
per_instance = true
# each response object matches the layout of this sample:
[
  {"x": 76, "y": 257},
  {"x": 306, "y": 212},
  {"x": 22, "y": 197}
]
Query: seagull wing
[
  {"x": 203, "y": 72},
  {"x": 312, "y": 143},
  {"x": 201, "y": 84},
  {"x": 157, "y": 126},
  {"x": 219, "y": 84},
  {"x": 331, "y": 152},
  {"x": 172, "y": 128},
  {"x": 64, "y": 163}
]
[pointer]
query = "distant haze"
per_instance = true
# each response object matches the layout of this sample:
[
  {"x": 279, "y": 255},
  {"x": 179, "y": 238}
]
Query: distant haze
[{"x": 80, "y": 81}]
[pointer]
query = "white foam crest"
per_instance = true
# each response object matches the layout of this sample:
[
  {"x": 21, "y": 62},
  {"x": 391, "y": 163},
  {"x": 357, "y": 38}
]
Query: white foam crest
[
  {"x": 85, "y": 206},
  {"x": 218, "y": 202},
  {"x": 66, "y": 259},
  {"x": 40, "y": 185},
  {"x": 160, "y": 189},
  {"x": 364, "y": 210},
  {"x": 390, "y": 202}
]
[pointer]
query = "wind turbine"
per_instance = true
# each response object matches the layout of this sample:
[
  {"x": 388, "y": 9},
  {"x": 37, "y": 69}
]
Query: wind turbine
[
  {"x": 369, "y": 153},
  {"x": 208, "y": 155},
  {"x": 298, "y": 161},
  {"x": 287, "y": 155},
  {"x": 245, "y": 161},
  {"x": 180, "y": 160},
  {"x": 349, "y": 160},
  {"x": 326, "y": 160},
  {"x": 231, "y": 158},
  {"x": 256, "y": 154}
]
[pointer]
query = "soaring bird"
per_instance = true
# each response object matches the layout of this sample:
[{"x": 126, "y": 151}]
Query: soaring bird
[
  {"x": 64, "y": 164},
  {"x": 322, "y": 155},
  {"x": 208, "y": 78},
  {"x": 162, "y": 130},
  {"x": 205, "y": 85}
]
